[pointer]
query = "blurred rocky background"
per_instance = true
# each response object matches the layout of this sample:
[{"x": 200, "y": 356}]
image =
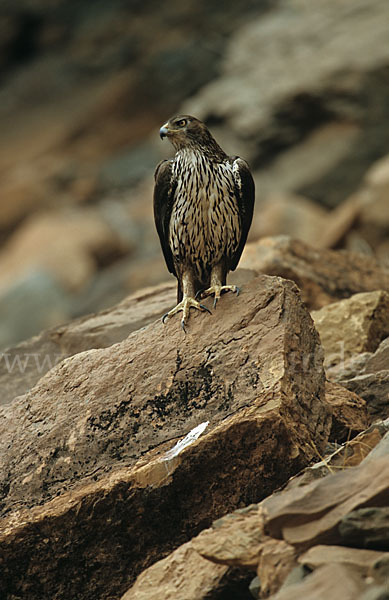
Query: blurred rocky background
[
  {"x": 300, "y": 89},
  {"x": 248, "y": 457}
]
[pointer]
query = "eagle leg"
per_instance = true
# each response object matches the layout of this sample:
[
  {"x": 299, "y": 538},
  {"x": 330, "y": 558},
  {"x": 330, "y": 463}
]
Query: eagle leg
[
  {"x": 218, "y": 285},
  {"x": 188, "y": 301}
]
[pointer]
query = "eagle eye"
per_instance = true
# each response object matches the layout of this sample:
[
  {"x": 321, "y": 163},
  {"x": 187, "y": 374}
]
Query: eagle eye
[{"x": 181, "y": 123}]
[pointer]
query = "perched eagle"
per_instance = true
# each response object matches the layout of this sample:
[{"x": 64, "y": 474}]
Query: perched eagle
[{"x": 203, "y": 207}]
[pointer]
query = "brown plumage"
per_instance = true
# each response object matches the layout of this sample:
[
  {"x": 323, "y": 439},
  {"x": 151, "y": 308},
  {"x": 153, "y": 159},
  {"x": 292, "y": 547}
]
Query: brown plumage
[{"x": 203, "y": 207}]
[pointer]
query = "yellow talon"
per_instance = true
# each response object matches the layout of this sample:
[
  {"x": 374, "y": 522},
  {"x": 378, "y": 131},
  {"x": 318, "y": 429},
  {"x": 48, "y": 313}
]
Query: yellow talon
[
  {"x": 185, "y": 305},
  {"x": 217, "y": 290}
]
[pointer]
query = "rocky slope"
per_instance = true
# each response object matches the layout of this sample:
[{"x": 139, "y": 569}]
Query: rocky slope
[
  {"x": 117, "y": 456},
  {"x": 300, "y": 91},
  {"x": 247, "y": 458}
]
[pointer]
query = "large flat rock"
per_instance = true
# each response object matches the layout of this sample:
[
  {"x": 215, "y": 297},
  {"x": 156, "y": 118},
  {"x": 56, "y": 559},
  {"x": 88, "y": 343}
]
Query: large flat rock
[
  {"x": 90, "y": 496},
  {"x": 22, "y": 365}
]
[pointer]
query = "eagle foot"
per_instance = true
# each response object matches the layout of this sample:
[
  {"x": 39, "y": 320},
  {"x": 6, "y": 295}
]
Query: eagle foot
[
  {"x": 185, "y": 305},
  {"x": 218, "y": 290}
]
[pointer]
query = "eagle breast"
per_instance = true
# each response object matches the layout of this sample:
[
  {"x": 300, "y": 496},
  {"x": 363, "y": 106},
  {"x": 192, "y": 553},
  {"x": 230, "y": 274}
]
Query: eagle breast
[{"x": 205, "y": 224}]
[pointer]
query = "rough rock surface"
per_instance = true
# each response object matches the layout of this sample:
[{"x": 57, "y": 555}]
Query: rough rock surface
[
  {"x": 367, "y": 375},
  {"x": 352, "y": 326},
  {"x": 349, "y": 412},
  {"x": 253, "y": 370},
  {"x": 168, "y": 580},
  {"x": 366, "y": 528},
  {"x": 330, "y": 581},
  {"x": 310, "y": 515},
  {"x": 374, "y": 389},
  {"x": 241, "y": 539},
  {"x": 365, "y": 560},
  {"x": 23, "y": 365},
  {"x": 323, "y": 276}
]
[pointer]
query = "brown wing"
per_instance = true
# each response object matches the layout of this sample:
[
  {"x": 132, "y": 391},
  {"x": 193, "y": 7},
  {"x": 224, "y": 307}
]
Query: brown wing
[
  {"x": 163, "y": 203},
  {"x": 245, "y": 192}
]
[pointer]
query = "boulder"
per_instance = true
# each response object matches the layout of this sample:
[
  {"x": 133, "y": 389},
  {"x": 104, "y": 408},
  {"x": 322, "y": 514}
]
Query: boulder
[
  {"x": 367, "y": 375},
  {"x": 323, "y": 276},
  {"x": 168, "y": 580},
  {"x": 311, "y": 514},
  {"x": 349, "y": 412},
  {"x": 91, "y": 476},
  {"x": 366, "y": 562},
  {"x": 374, "y": 389},
  {"x": 235, "y": 539},
  {"x": 352, "y": 326},
  {"x": 23, "y": 365},
  {"x": 276, "y": 562},
  {"x": 240, "y": 540}
]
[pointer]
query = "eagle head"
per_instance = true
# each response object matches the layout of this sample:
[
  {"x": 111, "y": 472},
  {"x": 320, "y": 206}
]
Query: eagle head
[{"x": 184, "y": 130}]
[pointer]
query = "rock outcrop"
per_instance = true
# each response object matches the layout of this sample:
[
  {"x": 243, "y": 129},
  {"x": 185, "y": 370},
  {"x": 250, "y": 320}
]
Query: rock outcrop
[
  {"x": 118, "y": 459},
  {"x": 92, "y": 444},
  {"x": 299, "y": 541},
  {"x": 23, "y": 365}
]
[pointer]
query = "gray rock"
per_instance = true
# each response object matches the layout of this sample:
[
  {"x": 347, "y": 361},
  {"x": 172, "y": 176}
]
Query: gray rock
[
  {"x": 366, "y": 528},
  {"x": 255, "y": 587},
  {"x": 374, "y": 389},
  {"x": 367, "y": 374},
  {"x": 379, "y": 361}
]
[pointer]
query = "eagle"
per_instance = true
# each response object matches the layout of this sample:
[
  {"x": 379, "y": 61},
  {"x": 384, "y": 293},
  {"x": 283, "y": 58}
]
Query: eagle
[{"x": 203, "y": 208}]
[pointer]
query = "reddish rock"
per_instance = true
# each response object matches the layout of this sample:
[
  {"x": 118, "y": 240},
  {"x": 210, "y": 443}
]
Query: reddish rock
[
  {"x": 183, "y": 575},
  {"x": 310, "y": 515},
  {"x": 352, "y": 326},
  {"x": 349, "y": 413},
  {"x": 85, "y": 462},
  {"x": 323, "y": 276}
]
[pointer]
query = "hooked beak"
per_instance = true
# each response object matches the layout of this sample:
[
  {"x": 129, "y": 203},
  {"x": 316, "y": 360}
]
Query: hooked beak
[{"x": 163, "y": 131}]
